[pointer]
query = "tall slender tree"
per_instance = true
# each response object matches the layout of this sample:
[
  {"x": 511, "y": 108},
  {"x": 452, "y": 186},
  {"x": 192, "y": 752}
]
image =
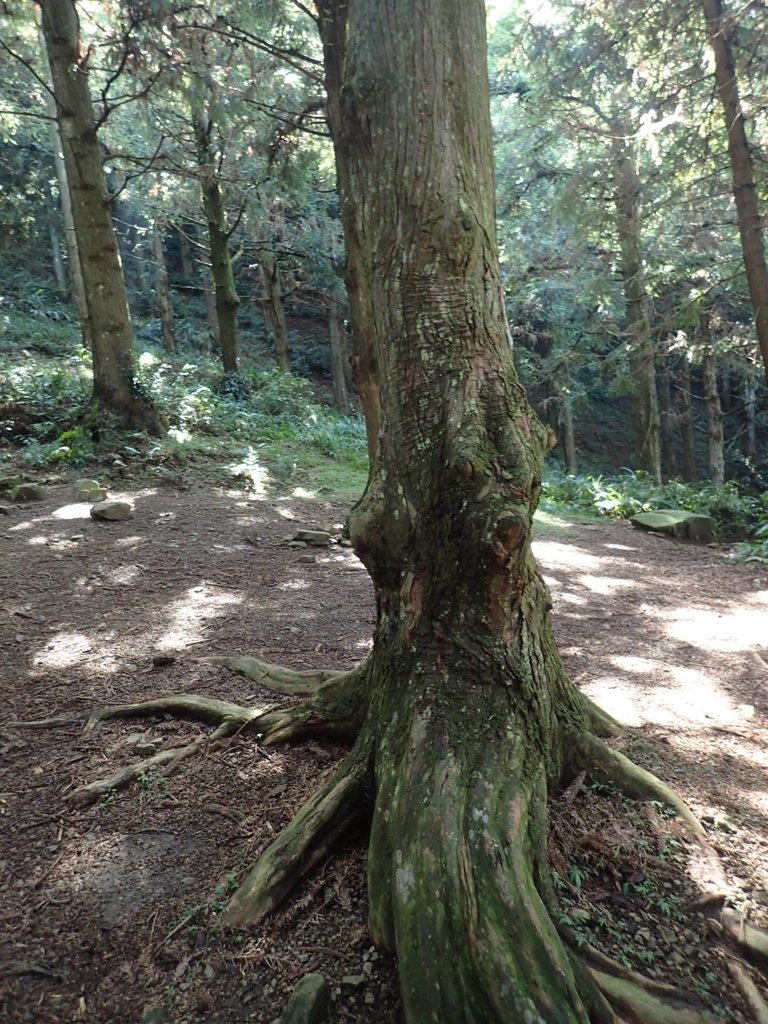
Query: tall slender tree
[
  {"x": 109, "y": 323},
  {"x": 722, "y": 31}
]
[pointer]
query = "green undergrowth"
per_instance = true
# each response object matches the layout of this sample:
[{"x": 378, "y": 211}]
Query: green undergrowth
[
  {"x": 262, "y": 417},
  {"x": 619, "y": 869},
  {"x": 738, "y": 513}
]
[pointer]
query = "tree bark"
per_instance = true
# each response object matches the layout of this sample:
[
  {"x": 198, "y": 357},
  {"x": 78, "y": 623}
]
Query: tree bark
[
  {"x": 641, "y": 355},
  {"x": 336, "y": 339},
  {"x": 469, "y": 706},
  {"x": 55, "y": 238},
  {"x": 225, "y": 291},
  {"x": 668, "y": 422},
  {"x": 109, "y": 322},
  {"x": 274, "y": 311},
  {"x": 185, "y": 252},
  {"x": 714, "y": 419},
  {"x": 749, "y": 399},
  {"x": 65, "y": 200},
  {"x": 566, "y": 428},
  {"x": 687, "y": 433},
  {"x": 162, "y": 290},
  {"x": 722, "y": 32}
]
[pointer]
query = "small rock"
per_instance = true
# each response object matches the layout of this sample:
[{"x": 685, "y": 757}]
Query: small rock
[
  {"x": 162, "y": 659},
  {"x": 308, "y": 1003},
  {"x": 345, "y": 542},
  {"x": 89, "y": 490},
  {"x": 354, "y": 980},
  {"x": 28, "y": 492},
  {"x": 297, "y": 544},
  {"x": 308, "y": 559},
  {"x": 146, "y": 748},
  {"x": 130, "y": 667},
  {"x": 77, "y": 536},
  {"x": 112, "y": 510},
  {"x": 369, "y": 998},
  {"x": 317, "y": 538},
  {"x": 724, "y": 823}
]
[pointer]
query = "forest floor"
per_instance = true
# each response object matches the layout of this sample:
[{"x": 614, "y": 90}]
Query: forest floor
[{"x": 108, "y": 913}]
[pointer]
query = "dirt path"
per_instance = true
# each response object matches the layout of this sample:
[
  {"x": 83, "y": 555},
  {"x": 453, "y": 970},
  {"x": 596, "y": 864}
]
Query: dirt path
[{"x": 108, "y": 913}]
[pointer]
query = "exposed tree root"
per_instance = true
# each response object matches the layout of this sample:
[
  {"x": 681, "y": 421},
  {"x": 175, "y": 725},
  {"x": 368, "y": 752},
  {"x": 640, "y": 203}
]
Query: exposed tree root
[
  {"x": 599, "y": 963},
  {"x": 95, "y": 790},
  {"x": 751, "y": 941},
  {"x": 336, "y": 708},
  {"x": 642, "y": 1005},
  {"x": 206, "y": 709},
  {"x": 311, "y": 837},
  {"x": 46, "y": 723},
  {"x": 603, "y": 762},
  {"x": 275, "y": 677},
  {"x": 599, "y": 721},
  {"x": 750, "y": 991}
]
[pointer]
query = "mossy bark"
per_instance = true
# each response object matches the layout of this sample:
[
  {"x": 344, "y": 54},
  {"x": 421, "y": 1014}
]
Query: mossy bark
[{"x": 468, "y": 703}]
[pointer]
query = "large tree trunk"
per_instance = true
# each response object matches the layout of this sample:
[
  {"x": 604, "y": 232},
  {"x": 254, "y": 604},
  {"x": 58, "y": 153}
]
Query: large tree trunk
[
  {"x": 336, "y": 343},
  {"x": 274, "y": 310},
  {"x": 225, "y": 291},
  {"x": 645, "y": 408},
  {"x": 722, "y": 31},
  {"x": 109, "y": 322},
  {"x": 469, "y": 704}
]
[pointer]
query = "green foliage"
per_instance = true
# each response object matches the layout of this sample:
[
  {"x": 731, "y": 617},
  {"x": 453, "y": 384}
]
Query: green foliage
[
  {"x": 736, "y": 513},
  {"x": 754, "y": 550}
]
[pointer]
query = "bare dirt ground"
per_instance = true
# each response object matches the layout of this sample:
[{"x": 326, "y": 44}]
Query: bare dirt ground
[{"x": 108, "y": 914}]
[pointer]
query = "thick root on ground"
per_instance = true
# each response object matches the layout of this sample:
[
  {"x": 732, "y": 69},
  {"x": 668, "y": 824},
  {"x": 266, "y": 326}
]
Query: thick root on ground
[
  {"x": 94, "y": 791},
  {"x": 750, "y": 991},
  {"x": 205, "y": 709},
  {"x": 336, "y": 709},
  {"x": 643, "y": 1005},
  {"x": 751, "y": 941},
  {"x": 606, "y": 764},
  {"x": 275, "y": 677},
  {"x": 311, "y": 837}
]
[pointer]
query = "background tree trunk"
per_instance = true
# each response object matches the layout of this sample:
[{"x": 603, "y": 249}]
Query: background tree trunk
[
  {"x": 55, "y": 236},
  {"x": 714, "y": 419},
  {"x": 687, "y": 433},
  {"x": 336, "y": 339},
  {"x": 108, "y": 317},
  {"x": 749, "y": 399},
  {"x": 162, "y": 291},
  {"x": 225, "y": 291},
  {"x": 70, "y": 236},
  {"x": 722, "y": 31},
  {"x": 641, "y": 355},
  {"x": 668, "y": 419},
  {"x": 274, "y": 310}
]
